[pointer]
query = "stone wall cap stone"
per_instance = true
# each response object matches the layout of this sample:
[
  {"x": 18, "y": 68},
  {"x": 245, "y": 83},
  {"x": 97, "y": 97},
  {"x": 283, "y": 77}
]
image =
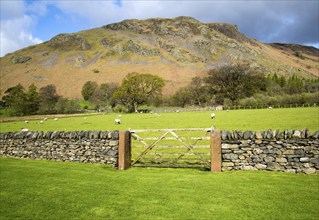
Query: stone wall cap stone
[
  {"x": 248, "y": 135},
  {"x": 307, "y": 133},
  {"x": 224, "y": 135},
  {"x": 104, "y": 134},
  {"x": 315, "y": 135},
  {"x": 269, "y": 134},
  {"x": 258, "y": 135},
  {"x": 296, "y": 134},
  {"x": 114, "y": 135}
]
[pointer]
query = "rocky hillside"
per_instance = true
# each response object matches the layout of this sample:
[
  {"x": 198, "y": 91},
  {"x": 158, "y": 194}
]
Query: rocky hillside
[{"x": 176, "y": 49}]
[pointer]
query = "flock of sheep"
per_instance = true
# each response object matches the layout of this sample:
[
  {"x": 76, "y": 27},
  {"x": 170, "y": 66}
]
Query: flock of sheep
[
  {"x": 116, "y": 121},
  {"x": 40, "y": 122}
]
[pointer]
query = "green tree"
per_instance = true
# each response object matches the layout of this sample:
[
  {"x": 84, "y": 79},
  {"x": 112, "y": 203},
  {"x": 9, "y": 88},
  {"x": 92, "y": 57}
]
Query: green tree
[
  {"x": 182, "y": 97},
  {"x": 48, "y": 98},
  {"x": 89, "y": 89},
  {"x": 32, "y": 100},
  {"x": 198, "y": 91},
  {"x": 294, "y": 85},
  {"x": 66, "y": 106},
  {"x": 15, "y": 99},
  {"x": 104, "y": 93},
  {"x": 137, "y": 89},
  {"x": 282, "y": 82},
  {"x": 235, "y": 81}
]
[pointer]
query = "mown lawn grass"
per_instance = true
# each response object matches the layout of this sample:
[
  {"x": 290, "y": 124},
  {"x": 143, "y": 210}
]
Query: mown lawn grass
[
  {"x": 261, "y": 119},
  {"x": 56, "y": 190}
]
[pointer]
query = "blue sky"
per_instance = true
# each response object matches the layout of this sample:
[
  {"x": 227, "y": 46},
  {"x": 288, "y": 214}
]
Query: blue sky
[{"x": 28, "y": 22}]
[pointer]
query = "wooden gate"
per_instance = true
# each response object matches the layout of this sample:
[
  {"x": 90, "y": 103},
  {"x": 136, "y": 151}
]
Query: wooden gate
[{"x": 171, "y": 148}]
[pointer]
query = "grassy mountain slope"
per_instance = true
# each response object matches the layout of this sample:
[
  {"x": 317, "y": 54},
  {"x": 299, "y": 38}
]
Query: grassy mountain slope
[{"x": 176, "y": 49}]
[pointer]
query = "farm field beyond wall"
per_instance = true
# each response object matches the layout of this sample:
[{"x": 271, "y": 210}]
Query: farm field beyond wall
[{"x": 261, "y": 119}]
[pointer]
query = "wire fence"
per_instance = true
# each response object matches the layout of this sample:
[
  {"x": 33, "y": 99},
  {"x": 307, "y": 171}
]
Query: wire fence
[{"x": 237, "y": 107}]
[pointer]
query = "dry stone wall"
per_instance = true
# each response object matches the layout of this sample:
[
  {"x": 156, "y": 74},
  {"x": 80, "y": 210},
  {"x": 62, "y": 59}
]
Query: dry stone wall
[
  {"x": 295, "y": 151},
  {"x": 75, "y": 146}
]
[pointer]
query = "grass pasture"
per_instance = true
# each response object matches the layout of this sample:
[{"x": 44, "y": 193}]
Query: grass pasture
[
  {"x": 34, "y": 189},
  {"x": 255, "y": 119},
  {"x": 53, "y": 190}
]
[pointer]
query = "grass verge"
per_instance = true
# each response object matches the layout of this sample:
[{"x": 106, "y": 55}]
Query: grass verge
[{"x": 53, "y": 190}]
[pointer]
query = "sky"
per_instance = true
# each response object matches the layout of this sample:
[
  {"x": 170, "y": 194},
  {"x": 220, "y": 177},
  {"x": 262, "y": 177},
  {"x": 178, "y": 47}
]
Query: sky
[{"x": 28, "y": 22}]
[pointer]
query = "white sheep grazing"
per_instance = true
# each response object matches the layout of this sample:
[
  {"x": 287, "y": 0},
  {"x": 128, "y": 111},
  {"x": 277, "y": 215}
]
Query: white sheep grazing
[
  {"x": 41, "y": 122},
  {"x": 45, "y": 119},
  {"x": 55, "y": 119},
  {"x": 24, "y": 130},
  {"x": 212, "y": 115},
  {"x": 117, "y": 121},
  {"x": 26, "y": 122}
]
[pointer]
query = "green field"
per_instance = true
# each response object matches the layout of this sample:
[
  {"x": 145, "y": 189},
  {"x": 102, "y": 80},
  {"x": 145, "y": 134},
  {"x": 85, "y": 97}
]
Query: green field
[
  {"x": 261, "y": 119},
  {"x": 53, "y": 190},
  {"x": 33, "y": 189}
]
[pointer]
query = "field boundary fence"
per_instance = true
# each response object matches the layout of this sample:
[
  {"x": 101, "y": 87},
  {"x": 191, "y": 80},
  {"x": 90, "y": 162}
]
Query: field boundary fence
[
  {"x": 234, "y": 107},
  {"x": 239, "y": 107}
]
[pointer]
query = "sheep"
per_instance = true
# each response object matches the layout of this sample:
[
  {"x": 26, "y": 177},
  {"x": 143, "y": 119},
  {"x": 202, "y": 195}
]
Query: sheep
[
  {"x": 55, "y": 119},
  {"x": 26, "y": 122},
  {"x": 45, "y": 119},
  {"x": 117, "y": 121},
  {"x": 212, "y": 115},
  {"x": 41, "y": 122},
  {"x": 24, "y": 130}
]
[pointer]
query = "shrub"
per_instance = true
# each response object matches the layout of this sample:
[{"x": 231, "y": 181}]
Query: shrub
[{"x": 120, "y": 109}]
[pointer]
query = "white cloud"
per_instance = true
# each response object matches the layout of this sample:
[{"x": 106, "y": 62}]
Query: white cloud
[
  {"x": 11, "y": 9},
  {"x": 37, "y": 7},
  {"x": 97, "y": 12},
  {"x": 16, "y": 27}
]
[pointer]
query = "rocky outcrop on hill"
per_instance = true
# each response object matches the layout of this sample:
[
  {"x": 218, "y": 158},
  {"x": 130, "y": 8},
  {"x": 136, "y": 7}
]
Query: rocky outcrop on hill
[
  {"x": 135, "y": 47},
  {"x": 16, "y": 59},
  {"x": 69, "y": 41},
  {"x": 180, "y": 26}
]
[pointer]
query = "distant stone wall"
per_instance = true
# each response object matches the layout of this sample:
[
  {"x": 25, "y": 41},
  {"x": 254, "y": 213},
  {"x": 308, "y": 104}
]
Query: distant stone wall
[
  {"x": 75, "y": 146},
  {"x": 295, "y": 151}
]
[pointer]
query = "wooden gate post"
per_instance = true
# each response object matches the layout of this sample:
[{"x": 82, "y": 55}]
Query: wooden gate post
[
  {"x": 124, "y": 150},
  {"x": 215, "y": 151}
]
